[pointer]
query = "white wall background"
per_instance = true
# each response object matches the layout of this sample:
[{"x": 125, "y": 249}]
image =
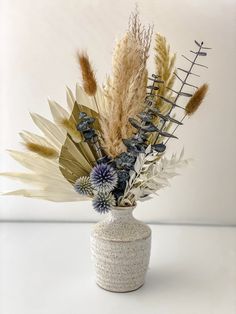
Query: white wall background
[{"x": 38, "y": 44}]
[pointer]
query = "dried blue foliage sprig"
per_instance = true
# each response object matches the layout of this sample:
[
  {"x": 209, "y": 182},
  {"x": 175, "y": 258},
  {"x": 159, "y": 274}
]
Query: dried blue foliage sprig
[{"x": 85, "y": 126}]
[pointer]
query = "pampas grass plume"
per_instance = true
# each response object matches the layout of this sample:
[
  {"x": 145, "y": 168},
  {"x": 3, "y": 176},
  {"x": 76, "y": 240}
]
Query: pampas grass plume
[
  {"x": 125, "y": 89},
  {"x": 89, "y": 81},
  {"x": 196, "y": 100}
]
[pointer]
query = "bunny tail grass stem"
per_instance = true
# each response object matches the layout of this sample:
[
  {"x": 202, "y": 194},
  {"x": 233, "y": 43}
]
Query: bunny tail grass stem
[
  {"x": 196, "y": 100},
  {"x": 95, "y": 100},
  {"x": 193, "y": 104},
  {"x": 42, "y": 150},
  {"x": 89, "y": 80}
]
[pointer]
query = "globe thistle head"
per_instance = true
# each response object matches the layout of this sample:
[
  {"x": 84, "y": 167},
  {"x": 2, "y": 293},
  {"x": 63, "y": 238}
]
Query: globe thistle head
[
  {"x": 103, "y": 202},
  {"x": 83, "y": 186},
  {"x": 103, "y": 177}
]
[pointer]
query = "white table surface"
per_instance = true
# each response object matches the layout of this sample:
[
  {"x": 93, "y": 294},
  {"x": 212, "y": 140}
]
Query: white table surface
[{"x": 45, "y": 268}]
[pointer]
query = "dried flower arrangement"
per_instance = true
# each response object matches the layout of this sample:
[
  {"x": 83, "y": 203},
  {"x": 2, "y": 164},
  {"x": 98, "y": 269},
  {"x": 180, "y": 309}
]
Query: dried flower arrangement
[{"x": 110, "y": 146}]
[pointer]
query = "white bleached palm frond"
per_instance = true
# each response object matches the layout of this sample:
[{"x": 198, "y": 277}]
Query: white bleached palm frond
[
  {"x": 151, "y": 173},
  {"x": 97, "y": 103},
  {"x": 52, "y": 177}
]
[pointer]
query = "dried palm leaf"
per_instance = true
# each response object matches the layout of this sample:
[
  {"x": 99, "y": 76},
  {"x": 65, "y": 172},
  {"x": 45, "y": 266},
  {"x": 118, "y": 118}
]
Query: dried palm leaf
[
  {"x": 55, "y": 135},
  {"x": 71, "y": 129},
  {"x": 70, "y": 99},
  {"x": 54, "y": 195},
  {"x": 77, "y": 158},
  {"x": 96, "y": 103},
  {"x": 54, "y": 177},
  {"x": 29, "y": 137},
  {"x": 38, "y": 164}
]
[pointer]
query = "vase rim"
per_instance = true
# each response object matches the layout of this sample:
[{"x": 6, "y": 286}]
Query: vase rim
[{"x": 122, "y": 208}]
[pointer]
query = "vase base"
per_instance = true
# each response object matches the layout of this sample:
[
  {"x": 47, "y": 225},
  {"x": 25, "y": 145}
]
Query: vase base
[{"x": 120, "y": 291}]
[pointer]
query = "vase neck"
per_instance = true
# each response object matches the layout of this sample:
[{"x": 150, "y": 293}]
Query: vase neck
[{"x": 121, "y": 213}]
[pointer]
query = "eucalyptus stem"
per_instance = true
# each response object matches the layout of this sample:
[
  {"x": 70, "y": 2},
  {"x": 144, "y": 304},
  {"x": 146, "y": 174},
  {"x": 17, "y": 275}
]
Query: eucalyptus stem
[
  {"x": 179, "y": 93},
  {"x": 98, "y": 149},
  {"x": 176, "y": 127}
]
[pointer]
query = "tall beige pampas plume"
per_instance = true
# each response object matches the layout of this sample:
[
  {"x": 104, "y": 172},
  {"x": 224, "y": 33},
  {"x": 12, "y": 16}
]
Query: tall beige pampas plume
[
  {"x": 125, "y": 89},
  {"x": 89, "y": 80}
]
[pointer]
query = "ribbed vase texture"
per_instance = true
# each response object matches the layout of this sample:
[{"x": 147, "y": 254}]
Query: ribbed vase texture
[{"x": 120, "y": 247}]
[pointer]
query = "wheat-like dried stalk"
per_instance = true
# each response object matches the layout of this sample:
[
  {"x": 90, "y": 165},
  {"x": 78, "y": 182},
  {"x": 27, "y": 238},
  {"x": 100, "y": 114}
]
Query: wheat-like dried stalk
[
  {"x": 42, "y": 150},
  {"x": 165, "y": 65},
  {"x": 196, "y": 100},
  {"x": 125, "y": 89},
  {"x": 89, "y": 80}
]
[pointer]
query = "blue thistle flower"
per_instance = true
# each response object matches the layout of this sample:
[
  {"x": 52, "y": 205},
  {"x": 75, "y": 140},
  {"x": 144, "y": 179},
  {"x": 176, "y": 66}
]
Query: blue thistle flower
[
  {"x": 103, "y": 177},
  {"x": 83, "y": 186},
  {"x": 103, "y": 202}
]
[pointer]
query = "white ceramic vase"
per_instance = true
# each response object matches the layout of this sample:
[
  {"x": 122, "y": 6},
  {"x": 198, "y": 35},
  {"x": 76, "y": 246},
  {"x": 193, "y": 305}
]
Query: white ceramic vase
[{"x": 120, "y": 247}]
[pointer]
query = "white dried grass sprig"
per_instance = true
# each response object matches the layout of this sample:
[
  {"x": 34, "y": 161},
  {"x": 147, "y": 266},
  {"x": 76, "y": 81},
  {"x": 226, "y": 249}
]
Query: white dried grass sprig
[{"x": 151, "y": 173}]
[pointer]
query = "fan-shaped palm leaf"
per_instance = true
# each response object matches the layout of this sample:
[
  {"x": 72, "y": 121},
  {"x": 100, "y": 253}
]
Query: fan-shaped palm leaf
[{"x": 53, "y": 178}]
